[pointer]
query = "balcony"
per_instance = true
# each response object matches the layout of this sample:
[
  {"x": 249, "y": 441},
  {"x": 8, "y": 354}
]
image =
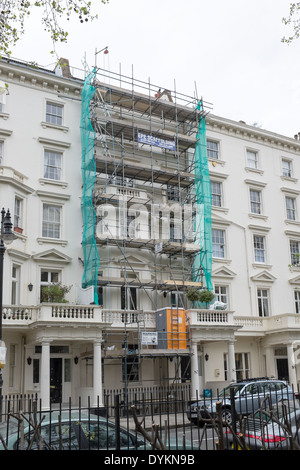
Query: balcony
[
  {"x": 114, "y": 194},
  {"x": 210, "y": 317},
  {"x": 24, "y": 316},
  {"x": 14, "y": 315}
]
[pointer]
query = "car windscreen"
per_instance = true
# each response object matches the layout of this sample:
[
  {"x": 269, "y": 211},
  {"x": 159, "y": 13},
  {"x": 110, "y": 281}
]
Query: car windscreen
[{"x": 226, "y": 391}]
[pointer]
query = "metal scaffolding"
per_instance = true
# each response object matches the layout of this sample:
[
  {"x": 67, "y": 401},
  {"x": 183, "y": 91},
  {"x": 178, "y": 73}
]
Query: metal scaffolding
[{"x": 146, "y": 201}]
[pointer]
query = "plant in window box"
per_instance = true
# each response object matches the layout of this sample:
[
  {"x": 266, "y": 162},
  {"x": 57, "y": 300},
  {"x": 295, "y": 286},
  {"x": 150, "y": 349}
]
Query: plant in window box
[
  {"x": 55, "y": 293},
  {"x": 296, "y": 260}
]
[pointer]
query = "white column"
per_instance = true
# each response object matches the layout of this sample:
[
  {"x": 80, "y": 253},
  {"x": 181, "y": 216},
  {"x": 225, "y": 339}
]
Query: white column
[
  {"x": 195, "y": 388},
  {"x": 292, "y": 366},
  {"x": 270, "y": 363},
  {"x": 45, "y": 375},
  {"x": 97, "y": 374},
  {"x": 231, "y": 362}
]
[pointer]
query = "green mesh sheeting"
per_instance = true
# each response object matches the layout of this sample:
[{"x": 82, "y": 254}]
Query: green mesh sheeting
[
  {"x": 203, "y": 260},
  {"x": 88, "y": 171}
]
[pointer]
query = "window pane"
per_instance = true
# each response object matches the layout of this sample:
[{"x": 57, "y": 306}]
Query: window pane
[
  {"x": 221, "y": 294},
  {"x": 286, "y": 168},
  {"x": 51, "y": 221},
  {"x": 212, "y": 150},
  {"x": 255, "y": 201},
  {"x": 17, "y": 213},
  {"x": 218, "y": 243},
  {"x": 297, "y": 300},
  {"x": 252, "y": 159},
  {"x": 290, "y": 208},
  {"x": 295, "y": 250},
  {"x": 54, "y": 113},
  {"x": 52, "y": 165},
  {"x": 263, "y": 302},
  {"x": 259, "y": 248},
  {"x": 216, "y": 193}
]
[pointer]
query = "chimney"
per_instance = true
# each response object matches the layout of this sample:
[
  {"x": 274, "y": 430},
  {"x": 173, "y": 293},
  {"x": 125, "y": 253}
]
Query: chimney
[{"x": 63, "y": 68}]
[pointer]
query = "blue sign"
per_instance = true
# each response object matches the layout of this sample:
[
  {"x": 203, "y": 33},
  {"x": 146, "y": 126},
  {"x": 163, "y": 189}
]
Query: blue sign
[{"x": 156, "y": 141}]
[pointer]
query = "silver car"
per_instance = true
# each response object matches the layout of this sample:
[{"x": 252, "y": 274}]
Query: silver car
[
  {"x": 245, "y": 397},
  {"x": 69, "y": 431},
  {"x": 275, "y": 429}
]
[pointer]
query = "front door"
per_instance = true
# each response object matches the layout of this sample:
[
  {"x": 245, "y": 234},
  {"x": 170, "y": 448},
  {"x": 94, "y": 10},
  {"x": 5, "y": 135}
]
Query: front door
[
  {"x": 55, "y": 380},
  {"x": 282, "y": 369}
]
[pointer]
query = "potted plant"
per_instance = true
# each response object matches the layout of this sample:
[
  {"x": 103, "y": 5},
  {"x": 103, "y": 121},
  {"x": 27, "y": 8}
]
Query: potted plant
[
  {"x": 206, "y": 296},
  {"x": 192, "y": 295},
  {"x": 54, "y": 293},
  {"x": 203, "y": 295}
]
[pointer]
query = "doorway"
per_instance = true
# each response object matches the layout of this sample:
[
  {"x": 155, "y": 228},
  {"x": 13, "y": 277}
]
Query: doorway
[
  {"x": 55, "y": 380},
  {"x": 282, "y": 368}
]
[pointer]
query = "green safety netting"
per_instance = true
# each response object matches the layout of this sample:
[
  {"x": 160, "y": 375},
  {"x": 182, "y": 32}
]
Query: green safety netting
[
  {"x": 203, "y": 260},
  {"x": 88, "y": 171}
]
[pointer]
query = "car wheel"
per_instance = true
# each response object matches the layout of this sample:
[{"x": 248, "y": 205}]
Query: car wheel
[{"x": 227, "y": 415}]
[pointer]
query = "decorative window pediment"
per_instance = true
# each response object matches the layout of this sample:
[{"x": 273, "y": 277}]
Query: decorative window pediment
[
  {"x": 295, "y": 281},
  {"x": 263, "y": 276},
  {"x": 52, "y": 256},
  {"x": 224, "y": 273}
]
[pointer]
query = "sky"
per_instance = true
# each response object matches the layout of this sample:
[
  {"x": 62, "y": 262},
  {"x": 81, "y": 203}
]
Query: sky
[{"x": 227, "y": 51}]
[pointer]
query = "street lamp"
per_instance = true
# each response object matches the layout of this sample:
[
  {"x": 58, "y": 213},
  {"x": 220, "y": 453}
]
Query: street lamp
[{"x": 8, "y": 237}]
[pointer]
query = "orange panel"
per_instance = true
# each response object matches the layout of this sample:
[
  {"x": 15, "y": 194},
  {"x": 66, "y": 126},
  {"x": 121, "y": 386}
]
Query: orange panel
[{"x": 176, "y": 329}]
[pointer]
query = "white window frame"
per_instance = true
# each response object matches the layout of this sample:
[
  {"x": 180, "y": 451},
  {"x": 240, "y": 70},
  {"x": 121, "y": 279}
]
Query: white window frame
[
  {"x": 3, "y": 93},
  {"x": 242, "y": 372},
  {"x": 50, "y": 280},
  {"x": 52, "y": 167},
  {"x": 297, "y": 300},
  {"x": 252, "y": 159},
  {"x": 259, "y": 247},
  {"x": 263, "y": 301},
  {"x": 255, "y": 204},
  {"x": 294, "y": 252},
  {"x": 53, "y": 115},
  {"x": 221, "y": 293},
  {"x": 18, "y": 212},
  {"x": 15, "y": 284},
  {"x": 219, "y": 246},
  {"x": 291, "y": 212},
  {"x": 217, "y": 193},
  {"x": 58, "y": 224},
  {"x": 213, "y": 149},
  {"x": 287, "y": 169},
  {"x": 173, "y": 193}
]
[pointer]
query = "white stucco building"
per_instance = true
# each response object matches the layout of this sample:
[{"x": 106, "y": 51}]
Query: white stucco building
[{"x": 109, "y": 340}]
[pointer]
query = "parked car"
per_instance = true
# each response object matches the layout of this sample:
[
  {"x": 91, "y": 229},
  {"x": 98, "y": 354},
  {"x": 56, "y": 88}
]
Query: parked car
[
  {"x": 70, "y": 431},
  {"x": 248, "y": 395},
  {"x": 274, "y": 429}
]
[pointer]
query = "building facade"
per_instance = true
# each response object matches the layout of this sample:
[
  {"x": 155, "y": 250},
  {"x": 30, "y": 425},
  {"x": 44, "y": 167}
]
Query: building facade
[{"x": 133, "y": 197}]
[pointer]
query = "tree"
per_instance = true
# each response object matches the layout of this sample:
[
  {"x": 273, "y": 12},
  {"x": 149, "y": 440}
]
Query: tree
[
  {"x": 294, "y": 20},
  {"x": 13, "y": 14}
]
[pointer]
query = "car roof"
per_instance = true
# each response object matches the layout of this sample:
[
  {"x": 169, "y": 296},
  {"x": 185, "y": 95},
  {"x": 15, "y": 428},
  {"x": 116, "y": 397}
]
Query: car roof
[
  {"x": 53, "y": 417},
  {"x": 257, "y": 380}
]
